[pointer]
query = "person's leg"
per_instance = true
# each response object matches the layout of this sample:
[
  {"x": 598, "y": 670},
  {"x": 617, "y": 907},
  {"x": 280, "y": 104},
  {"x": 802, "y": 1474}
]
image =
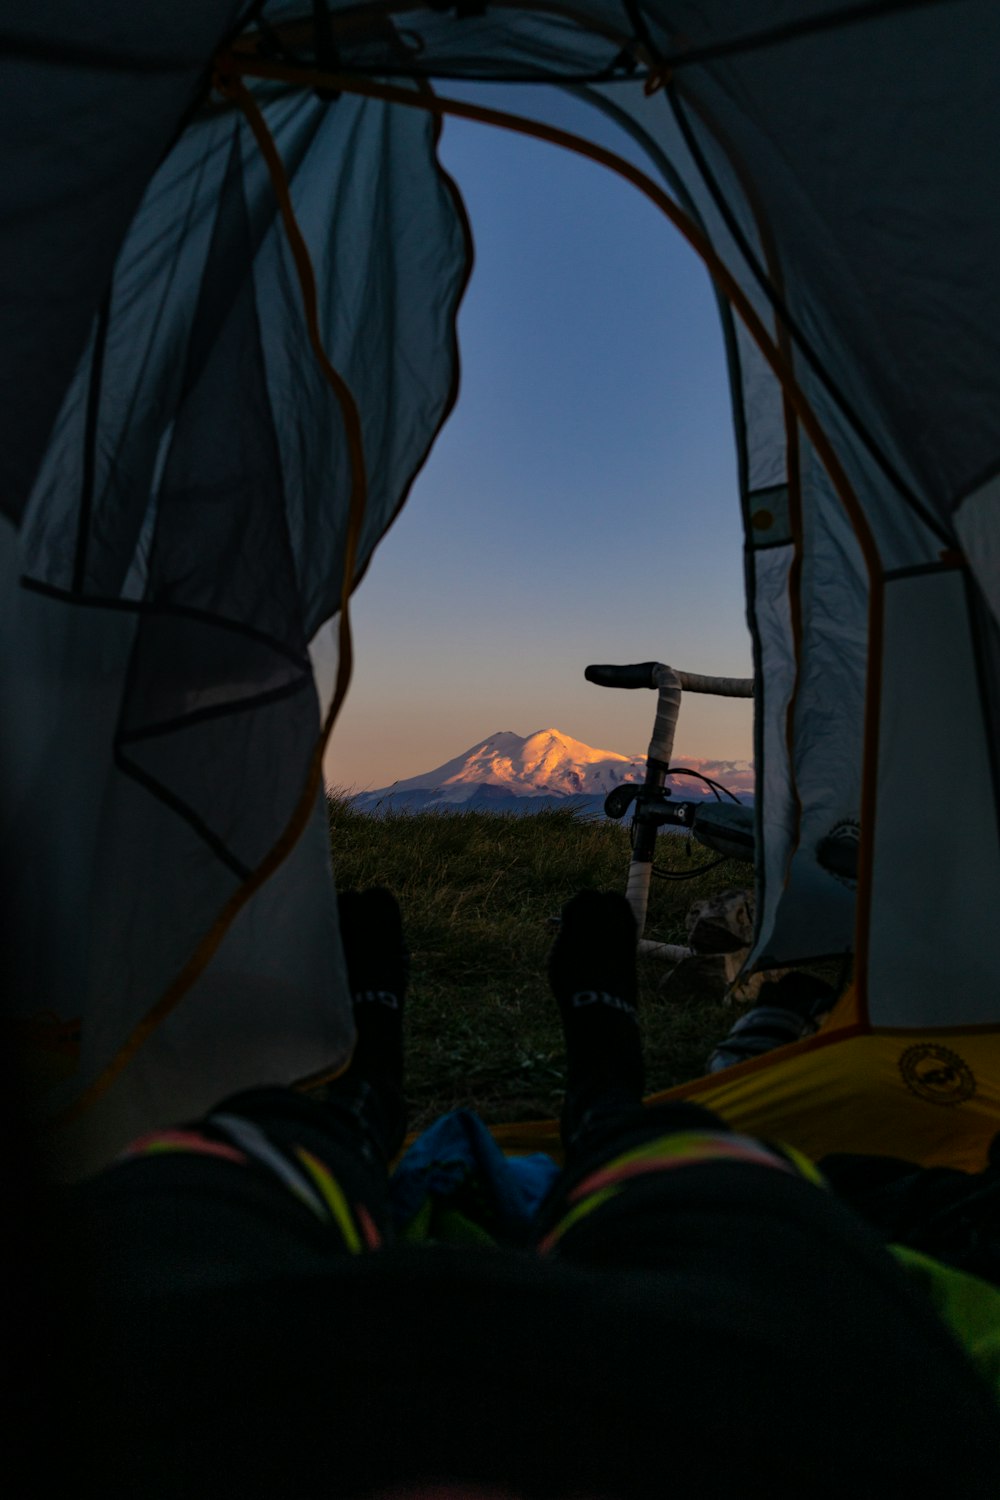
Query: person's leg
[
  {"x": 623, "y": 1158},
  {"x": 378, "y": 962},
  {"x": 269, "y": 1181},
  {"x": 592, "y": 974},
  {"x": 737, "y": 1242}
]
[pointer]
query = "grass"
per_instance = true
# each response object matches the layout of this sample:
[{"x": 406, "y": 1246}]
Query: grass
[{"x": 477, "y": 892}]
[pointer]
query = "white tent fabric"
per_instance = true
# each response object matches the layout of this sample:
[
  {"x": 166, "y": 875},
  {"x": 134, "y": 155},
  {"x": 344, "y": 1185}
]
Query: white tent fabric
[{"x": 184, "y": 538}]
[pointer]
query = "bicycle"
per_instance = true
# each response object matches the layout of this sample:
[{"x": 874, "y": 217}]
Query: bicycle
[{"x": 727, "y": 828}]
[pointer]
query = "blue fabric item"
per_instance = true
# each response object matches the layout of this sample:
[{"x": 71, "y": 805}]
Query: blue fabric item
[{"x": 458, "y": 1156}]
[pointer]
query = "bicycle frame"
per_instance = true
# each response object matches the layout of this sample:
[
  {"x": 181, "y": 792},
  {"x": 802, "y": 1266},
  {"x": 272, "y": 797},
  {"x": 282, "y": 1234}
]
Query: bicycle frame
[{"x": 670, "y": 684}]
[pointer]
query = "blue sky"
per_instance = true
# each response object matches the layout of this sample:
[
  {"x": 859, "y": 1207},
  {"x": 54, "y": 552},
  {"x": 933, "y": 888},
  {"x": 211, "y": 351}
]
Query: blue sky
[{"x": 580, "y": 504}]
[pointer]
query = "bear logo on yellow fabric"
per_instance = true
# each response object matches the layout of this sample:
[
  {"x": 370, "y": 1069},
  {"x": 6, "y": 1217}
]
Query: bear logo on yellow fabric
[{"x": 937, "y": 1075}]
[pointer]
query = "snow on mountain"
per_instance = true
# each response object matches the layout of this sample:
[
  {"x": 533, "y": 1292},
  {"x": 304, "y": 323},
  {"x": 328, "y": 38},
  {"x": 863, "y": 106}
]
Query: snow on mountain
[
  {"x": 546, "y": 767},
  {"x": 546, "y": 762}
]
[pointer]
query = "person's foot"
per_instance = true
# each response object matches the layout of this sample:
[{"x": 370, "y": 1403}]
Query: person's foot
[
  {"x": 371, "y": 931},
  {"x": 592, "y": 972}
]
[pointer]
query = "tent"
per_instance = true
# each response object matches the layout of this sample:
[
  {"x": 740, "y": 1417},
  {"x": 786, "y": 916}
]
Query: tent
[{"x": 231, "y": 266}]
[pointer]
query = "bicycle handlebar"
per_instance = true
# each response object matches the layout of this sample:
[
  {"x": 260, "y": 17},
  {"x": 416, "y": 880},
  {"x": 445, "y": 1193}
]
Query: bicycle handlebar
[
  {"x": 638, "y": 675},
  {"x": 644, "y": 674},
  {"x": 670, "y": 683}
]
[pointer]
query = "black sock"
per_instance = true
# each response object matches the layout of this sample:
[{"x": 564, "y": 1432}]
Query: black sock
[
  {"x": 371, "y": 930},
  {"x": 592, "y": 971}
]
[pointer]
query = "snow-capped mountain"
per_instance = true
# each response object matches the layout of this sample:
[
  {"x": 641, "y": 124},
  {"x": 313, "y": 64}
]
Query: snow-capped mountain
[{"x": 516, "y": 773}]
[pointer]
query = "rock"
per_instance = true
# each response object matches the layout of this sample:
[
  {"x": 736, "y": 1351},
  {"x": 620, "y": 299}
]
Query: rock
[
  {"x": 720, "y": 930},
  {"x": 722, "y": 923}
]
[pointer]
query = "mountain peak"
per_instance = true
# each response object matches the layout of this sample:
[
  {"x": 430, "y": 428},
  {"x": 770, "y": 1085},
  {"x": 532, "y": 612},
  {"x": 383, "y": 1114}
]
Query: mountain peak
[
  {"x": 547, "y": 764},
  {"x": 554, "y": 742}
]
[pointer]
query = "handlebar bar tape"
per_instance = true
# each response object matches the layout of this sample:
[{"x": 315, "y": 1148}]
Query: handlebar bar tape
[
  {"x": 719, "y": 687},
  {"x": 639, "y": 675},
  {"x": 655, "y": 674},
  {"x": 668, "y": 703},
  {"x": 642, "y": 674}
]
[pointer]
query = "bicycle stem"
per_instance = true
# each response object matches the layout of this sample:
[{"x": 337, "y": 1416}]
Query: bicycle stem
[{"x": 661, "y": 747}]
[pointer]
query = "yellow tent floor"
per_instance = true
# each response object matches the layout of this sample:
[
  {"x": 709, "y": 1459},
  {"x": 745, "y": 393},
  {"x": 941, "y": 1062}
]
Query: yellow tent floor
[{"x": 929, "y": 1096}]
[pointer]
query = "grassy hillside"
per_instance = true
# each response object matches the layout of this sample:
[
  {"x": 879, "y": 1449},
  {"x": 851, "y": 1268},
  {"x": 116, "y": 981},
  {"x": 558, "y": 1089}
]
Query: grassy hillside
[{"x": 477, "y": 892}]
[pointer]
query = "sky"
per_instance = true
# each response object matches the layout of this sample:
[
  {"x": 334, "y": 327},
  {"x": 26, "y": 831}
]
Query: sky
[{"x": 581, "y": 502}]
